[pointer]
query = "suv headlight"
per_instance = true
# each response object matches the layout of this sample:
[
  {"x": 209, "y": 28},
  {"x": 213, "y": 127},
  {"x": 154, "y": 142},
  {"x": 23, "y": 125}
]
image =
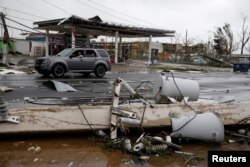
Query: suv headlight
[{"x": 46, "y": 61}]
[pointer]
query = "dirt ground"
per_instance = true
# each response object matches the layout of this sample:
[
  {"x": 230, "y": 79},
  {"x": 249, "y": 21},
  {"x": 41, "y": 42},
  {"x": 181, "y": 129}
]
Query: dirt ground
[{"x": 82, "y": 150}]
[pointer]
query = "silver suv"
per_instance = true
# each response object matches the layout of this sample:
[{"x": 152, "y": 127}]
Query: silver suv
[{"x": 80, "y": 60}]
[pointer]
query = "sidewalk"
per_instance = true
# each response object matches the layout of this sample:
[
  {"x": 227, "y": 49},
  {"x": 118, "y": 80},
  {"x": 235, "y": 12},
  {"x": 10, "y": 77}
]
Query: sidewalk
[
  {"x": 141, "y": 66},
  {"x": 132, "y": 66}
]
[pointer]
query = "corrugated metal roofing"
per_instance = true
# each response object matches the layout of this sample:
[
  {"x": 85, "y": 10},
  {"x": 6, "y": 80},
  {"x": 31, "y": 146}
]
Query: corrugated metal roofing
[{"x": 91, "y": 27}]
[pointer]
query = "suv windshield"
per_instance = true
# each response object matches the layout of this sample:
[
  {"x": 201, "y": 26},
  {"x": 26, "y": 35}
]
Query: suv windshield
[{"x": 64, "y": 53}]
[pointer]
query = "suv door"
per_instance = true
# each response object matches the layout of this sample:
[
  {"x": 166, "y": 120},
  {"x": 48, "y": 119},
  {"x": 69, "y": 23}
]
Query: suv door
[
  {"x": 89, "y": 59},
  {"x": 75, "y": 60}
]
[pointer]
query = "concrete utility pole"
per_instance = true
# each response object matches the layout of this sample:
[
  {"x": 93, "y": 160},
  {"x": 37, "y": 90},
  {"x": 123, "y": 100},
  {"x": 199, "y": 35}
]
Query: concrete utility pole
[{"x": 6, "y": 39}]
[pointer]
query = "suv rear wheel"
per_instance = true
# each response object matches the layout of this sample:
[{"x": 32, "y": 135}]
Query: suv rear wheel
[
  {"x": 58, "y": 70},
  {"x": 100, "y": 71}
]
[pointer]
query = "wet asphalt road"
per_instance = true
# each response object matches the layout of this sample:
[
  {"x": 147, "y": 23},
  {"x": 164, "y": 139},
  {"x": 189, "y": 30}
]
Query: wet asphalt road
[{"x": 216, "y": 85}]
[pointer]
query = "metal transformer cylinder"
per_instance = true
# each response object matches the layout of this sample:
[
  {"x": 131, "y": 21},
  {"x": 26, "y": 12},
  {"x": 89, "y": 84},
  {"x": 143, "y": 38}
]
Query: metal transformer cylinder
[
  {"x": 168, "y": 87},
  {"x": 206, "y": 126}
]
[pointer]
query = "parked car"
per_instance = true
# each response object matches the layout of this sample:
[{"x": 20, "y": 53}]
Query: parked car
[{"x": 79, "y": 60}]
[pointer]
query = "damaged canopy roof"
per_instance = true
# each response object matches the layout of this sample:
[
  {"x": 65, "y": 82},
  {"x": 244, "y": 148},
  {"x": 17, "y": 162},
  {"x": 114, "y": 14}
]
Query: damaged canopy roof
[{"x": 95, "y": 27}]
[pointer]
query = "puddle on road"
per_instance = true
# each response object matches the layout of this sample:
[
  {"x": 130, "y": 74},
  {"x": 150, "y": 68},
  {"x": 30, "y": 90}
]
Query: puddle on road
[{"x": 84, "y": 151}]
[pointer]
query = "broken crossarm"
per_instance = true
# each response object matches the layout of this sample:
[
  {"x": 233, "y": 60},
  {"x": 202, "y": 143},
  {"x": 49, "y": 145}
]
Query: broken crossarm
[
  {"x": 121, "y": 116},
  {"x": 133, "y": 93},
  {"x": 123, "y": 113}
]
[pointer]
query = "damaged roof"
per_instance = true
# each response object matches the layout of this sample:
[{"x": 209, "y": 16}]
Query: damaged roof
[{"x": 95, "y": 27}]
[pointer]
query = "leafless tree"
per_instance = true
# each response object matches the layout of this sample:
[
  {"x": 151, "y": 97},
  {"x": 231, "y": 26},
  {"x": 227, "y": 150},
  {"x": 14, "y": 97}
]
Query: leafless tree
[
  {"x": 178, "y": 48},
  {"x": 248, "y": 48},
  {"x": 224, "y": 42},
  {"x": 187, "y": 42},
  {"x": 245, "y": 35}
]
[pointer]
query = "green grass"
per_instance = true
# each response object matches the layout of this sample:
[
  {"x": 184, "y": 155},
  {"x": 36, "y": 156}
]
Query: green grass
[{"x": 166, "y": 68}]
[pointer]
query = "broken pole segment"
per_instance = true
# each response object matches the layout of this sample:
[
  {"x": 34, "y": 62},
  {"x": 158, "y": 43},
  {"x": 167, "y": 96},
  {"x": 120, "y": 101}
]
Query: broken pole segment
[{"x": 115, "y": 103}]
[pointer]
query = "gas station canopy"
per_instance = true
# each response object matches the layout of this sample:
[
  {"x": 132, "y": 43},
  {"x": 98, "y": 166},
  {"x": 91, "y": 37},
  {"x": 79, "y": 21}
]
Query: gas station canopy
[{"x": 96, "y": 27}]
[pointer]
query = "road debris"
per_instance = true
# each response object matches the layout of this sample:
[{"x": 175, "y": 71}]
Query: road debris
[
  {"x": 38, "y": 149},
  {"x": 65, "y": 145},
  {"x": 69, "y": 100},
  {"x": 36, "y": 159},
  {"x": 35, "y": 149},
  {"x": 53, "y": 161},
  {"x": 127, "y": 144},
  {"x": 138, "y": 147},
  {"x": 71, "y": 164},
  {"x": 59, "y": 86},
  {"x": 17, "y": 144},
  {"x": 5, "y": 89},
  {"x": 238, "y": 135},
  {"x": 11, "y": 72},
  {"x": 32, "y": 148}
]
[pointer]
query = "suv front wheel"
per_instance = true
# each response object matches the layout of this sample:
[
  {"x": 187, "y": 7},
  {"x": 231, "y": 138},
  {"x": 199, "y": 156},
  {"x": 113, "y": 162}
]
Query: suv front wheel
[
  {"x": 58, "y": 70},
  {"x": 100, "y": 71}
]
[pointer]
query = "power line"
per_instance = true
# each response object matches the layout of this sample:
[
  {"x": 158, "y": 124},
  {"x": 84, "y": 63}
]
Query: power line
[
  {"x": 23, "y": 12},
  {"x": 21, "y": 18},
  {"x": 16, "y": 28},
  {"x": 32, "y": 7},
  {"x": 98, "y": 4},
  {"x": 82, "y": 3},
  {"x": 51, "y": 4},
  {"x": 21, "y": 24}
]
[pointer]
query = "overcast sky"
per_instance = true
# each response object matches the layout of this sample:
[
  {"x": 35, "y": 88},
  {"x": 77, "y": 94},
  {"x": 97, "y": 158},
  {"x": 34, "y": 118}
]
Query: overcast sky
[{"x": 199, "y": 17}]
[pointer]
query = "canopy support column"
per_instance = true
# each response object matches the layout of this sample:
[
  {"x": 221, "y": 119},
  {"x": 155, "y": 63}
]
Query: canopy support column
[
  {"x": 73, "y": 37},
  {"x": 149, "y": 50},
  {"x": 47, "y": 44},
  {"x": 116, "y": 46}
]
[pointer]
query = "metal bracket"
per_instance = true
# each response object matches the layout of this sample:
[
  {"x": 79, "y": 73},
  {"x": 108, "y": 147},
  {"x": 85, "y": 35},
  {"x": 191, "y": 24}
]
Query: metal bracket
[
  {"x": 11, "y": 119},
  {"x": 123, "y": 113}
]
